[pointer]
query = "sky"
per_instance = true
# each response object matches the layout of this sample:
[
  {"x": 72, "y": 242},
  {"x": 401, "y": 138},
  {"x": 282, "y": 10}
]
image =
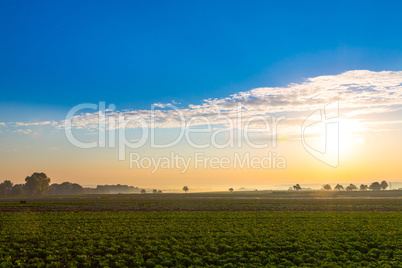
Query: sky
[{"x": 183, "y": 64}]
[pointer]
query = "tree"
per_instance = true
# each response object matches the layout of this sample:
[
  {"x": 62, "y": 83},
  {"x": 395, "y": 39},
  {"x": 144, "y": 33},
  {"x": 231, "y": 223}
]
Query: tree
[
  {"x": 18, "y": 190},
  {"x": 6, "y": 188},
  {"x": 363, "y": 187},
  {"x": 77, "y": 189},
  {"x": 68, "y": 188},
  {"x": 154, "y": 191},
  {"x": 326, "y": 187},
  {"x": 37, "y": 184},
  {"x": 143, "y": 191},
  {"x": 61, "y": 189},
  {"x": 159, "y": 191},
  {"x": 101, "y": 189},
  {"x": 384, "y": 185},
  {"x": 185, "y": 189},
  {"x": 351, "y": 187},
  {"x": 8, "y": 185},
  {"x": 297, "y": 187},
  {"x": 375, "y": 186},
  {"x": 231, "y": 190},
  {"x": 3, "y": 191},
  {"x": 339, "y": 187}
]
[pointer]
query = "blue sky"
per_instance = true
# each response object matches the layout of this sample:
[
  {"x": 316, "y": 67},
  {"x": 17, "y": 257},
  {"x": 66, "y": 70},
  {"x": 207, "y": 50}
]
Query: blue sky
[{"x": 134, "y": 53}]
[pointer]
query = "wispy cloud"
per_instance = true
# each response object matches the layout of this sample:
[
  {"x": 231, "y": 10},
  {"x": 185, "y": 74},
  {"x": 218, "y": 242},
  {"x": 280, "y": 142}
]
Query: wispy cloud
[
  {"x": 22, "y": 131},
  {"x": 359, "y": 93}
]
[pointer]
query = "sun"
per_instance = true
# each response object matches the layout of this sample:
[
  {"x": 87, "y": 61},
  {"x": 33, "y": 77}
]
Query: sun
[{"x": 350, "y": 135}]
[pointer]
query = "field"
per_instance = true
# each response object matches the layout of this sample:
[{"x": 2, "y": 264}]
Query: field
[{"x": 201, "y": 230}]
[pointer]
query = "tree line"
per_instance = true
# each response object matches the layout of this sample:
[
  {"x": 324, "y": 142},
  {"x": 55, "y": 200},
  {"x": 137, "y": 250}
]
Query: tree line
[
  {"x": 375, "y": 186},
  {"x": 38, "y": 184}
]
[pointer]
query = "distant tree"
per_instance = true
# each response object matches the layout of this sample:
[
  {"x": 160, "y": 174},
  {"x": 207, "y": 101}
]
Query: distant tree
[
  {"x": 114, "y": 189},
  {"x": 297, "y": 187},
  {"x": 6, "y": 188},
  {"x": 8, "y": 185},
  {"x": 154, "y": 191},
  {"x": 375, "y": 186},
  {"x": 77, "y": 189},
  {"x": 143, "y": 191},
  {"x": 37, "y": 184},
  {"x": 351, "y": 187},
  {"x": 18, "y": 190},
  {"x": 68, "y": 188},
  {"x": 384, "y": 185},
  {"x": 159, "y": 191},
  {"x": 326, "y": 187},
  {"x": 230, "y": 189},
  {"x": 101, "y": 189},
  {"x": 338, "y": 187},
  {"x": 363, "y": 187},
  {"x": 61, "y": 189},
  {"x": 3, "y": 191},
  {"x": 185, "y": 189}
]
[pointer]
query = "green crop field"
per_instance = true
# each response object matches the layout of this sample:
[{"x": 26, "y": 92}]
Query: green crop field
[{"x": 162, "y": 232}]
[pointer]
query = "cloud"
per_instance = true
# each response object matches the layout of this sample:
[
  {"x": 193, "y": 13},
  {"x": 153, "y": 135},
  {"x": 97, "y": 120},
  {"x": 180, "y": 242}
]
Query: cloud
[
  {"x": 22, "y": 131},
  {"x": 359, "y": 92},
  {"x": 45, "y": 123}
]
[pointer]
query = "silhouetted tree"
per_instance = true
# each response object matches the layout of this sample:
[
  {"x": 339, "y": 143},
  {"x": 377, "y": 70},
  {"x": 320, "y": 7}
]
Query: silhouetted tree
[
  {"x": 351, "y": 187},
  {"x": 37, "y": 184},
  {"x": 185, "y": 189},
  {"x": 159, "y": 191},
  {"x": 101, "y": 189},
  {"x": 326, "y": 187},
  {"x": 68, "y": 188},
  {"x": 339, "y": 187},
  {"x": 8, "y": 185},
  {"x": 375, "y": 186},
  {"x": 6, "y": 188},
  {"x": 154, "y": 191},
  {"x": 3, "y": 191},
  {"x": 143, "y": 191},
  {"x": 114, "y": 189},
  {"x": 18, "y": 190},
  {"x": 363, "y": 187},
  {"x": 61, "y": 189},
  {"x": 297, "y": 187},
  {"x": 77, "y": 189},
  {"x": 230, "y": 189},
  {"x": 384, "y": 185}
]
